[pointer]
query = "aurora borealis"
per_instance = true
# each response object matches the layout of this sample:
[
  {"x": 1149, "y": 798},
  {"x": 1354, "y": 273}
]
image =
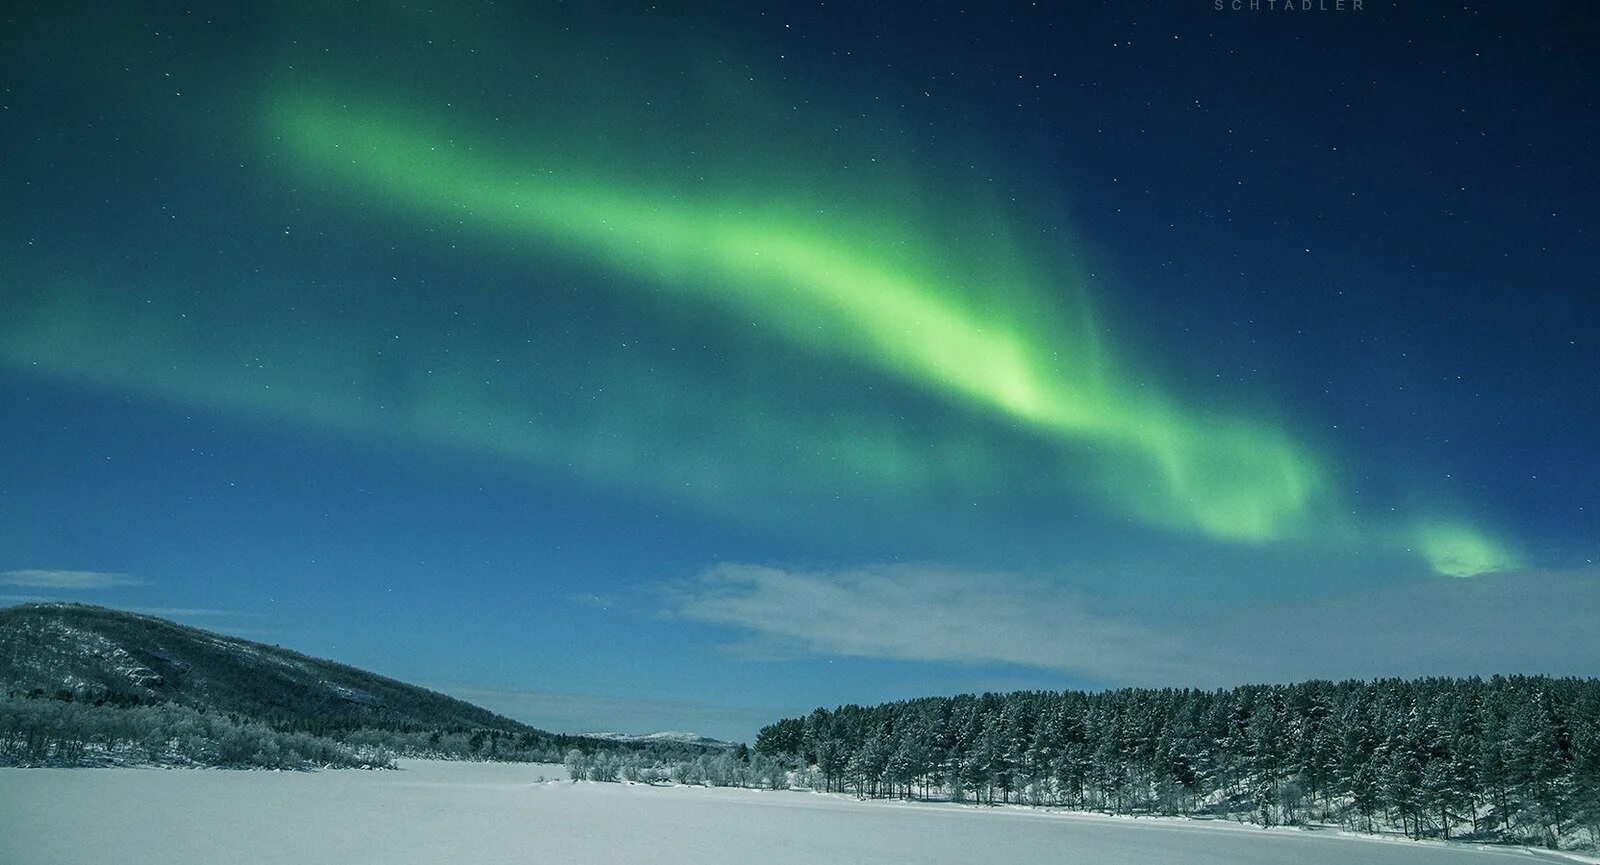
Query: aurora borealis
[
  {"x": 691, "y": 294},
  {"x": 816, "y": 287}
]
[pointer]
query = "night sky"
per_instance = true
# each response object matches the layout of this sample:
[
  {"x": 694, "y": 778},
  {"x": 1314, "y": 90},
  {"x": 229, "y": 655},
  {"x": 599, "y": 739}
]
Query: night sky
[{"x": 688, "y": 367}]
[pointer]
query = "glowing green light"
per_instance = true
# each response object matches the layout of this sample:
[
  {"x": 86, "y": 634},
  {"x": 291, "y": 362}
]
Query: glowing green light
[
  {"x": 839, "y": 290},
  {"x": 822, "y": 293},
  {"x": 1460, "y": 551}
]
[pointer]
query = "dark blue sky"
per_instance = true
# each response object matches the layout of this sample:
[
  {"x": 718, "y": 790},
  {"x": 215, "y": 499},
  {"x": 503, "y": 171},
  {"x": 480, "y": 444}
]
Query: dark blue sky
[{"x": 625, "y": 369}]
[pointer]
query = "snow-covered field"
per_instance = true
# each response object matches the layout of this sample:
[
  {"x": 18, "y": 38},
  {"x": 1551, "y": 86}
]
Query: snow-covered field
[{"x": 436, "y": 812}]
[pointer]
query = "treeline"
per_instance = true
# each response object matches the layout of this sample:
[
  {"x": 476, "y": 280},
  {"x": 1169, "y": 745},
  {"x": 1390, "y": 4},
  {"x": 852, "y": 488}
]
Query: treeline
[
  {"x": 1509, "y": 758},
  {"x": 37, "y": 731},
  {"x": 523, "y": 745},
  {"x": 727, "y": 768},
  {"x": 67, "y": 728}
]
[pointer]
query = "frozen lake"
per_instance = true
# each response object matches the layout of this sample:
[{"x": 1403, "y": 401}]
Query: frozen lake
[{"x": 433, "y": 812}]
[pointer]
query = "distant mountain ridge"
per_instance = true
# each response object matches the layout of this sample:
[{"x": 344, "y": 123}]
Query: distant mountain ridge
[
  {"x": 99, "y": 654},
  {"x": 665, "y": 736}
]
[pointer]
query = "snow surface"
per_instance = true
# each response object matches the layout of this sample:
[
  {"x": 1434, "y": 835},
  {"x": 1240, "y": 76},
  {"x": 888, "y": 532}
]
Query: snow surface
[{"x": 489, "y": 813}]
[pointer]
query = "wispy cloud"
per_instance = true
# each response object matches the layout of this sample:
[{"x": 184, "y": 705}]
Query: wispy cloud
[
  {"x": 923, "y": 613},
  {"x": 67, "y": 580},
  {"x": 1535, "y": 622}
]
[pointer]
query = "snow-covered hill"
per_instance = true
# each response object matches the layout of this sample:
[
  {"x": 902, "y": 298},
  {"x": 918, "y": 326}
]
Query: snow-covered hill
[
  {"x": 662, "y": 738},
  {"x": 94, "y": 654}
]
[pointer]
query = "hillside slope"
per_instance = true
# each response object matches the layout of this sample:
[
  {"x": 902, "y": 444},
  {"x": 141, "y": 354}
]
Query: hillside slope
[{"x": 125, "y": 658}]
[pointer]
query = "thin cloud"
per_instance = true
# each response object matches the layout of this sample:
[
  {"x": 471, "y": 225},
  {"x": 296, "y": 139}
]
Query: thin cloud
[
  {"x": 1531, "y": 622},
  {"x": 67, "y": 580},
  {"x": 920, "y": 613}
]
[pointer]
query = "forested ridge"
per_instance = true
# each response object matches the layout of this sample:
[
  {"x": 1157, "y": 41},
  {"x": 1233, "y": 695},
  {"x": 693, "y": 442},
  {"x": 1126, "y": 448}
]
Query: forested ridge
[
  {"x": 86, "y": 685},
  {"x": 62, "y": 729},
  {"x": 1508, "y": 758}
]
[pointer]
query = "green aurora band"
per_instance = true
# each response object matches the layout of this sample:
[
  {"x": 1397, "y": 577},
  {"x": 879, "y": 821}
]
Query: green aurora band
[
  {"x": 1458, "y": 551},
  {"x": 851, "y": 287},
  {"x": 1226, "y": 479},
  {"x": 844, "y": 313}
]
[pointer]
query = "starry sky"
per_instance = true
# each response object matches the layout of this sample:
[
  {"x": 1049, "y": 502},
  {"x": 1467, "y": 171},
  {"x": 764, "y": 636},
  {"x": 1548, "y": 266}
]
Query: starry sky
[{"x": 683, "y": 366}]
